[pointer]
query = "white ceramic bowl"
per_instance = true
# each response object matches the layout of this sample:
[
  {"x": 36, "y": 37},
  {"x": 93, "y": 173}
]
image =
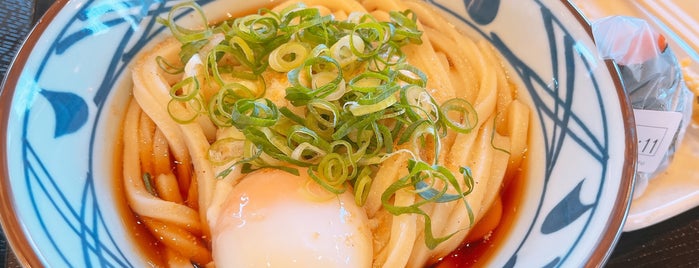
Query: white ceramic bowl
[{"x": 66, "y": 92}]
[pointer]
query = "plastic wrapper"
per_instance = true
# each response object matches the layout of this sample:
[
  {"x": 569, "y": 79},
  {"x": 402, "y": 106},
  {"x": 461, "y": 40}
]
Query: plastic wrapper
[{"x": 651, "y": 74}]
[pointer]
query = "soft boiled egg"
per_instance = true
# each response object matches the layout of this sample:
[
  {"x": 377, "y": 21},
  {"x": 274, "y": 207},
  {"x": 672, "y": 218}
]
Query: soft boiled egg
[{"x": 276, "y": 219}]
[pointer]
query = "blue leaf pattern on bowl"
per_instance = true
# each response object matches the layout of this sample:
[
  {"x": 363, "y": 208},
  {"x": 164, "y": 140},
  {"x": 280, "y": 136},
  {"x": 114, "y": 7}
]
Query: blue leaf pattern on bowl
[
  {"x": 70, "y": 109},
  {"x": 565, "y": 212},
  {"x": 482, "y": 11},
  {"x": 102, "y": 16},
  {"x": 563, "y": 123},
  {"x": 85, "y": 219},
  {"x": 554, "y": 263}
]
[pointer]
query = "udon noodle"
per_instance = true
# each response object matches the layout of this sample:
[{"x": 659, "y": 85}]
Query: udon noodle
[{"x": 178, "y": 168}]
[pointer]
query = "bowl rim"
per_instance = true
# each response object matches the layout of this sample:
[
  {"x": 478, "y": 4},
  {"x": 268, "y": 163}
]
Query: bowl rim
[
  {"x": 22, "y": 248},
  {"x": 622, "y": 204},
  {"x": 11, "y": 224}
]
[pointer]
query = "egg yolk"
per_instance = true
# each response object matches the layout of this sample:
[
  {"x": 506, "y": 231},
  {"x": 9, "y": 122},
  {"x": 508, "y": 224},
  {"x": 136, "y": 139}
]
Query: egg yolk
[{"x": 276, "y": 219}]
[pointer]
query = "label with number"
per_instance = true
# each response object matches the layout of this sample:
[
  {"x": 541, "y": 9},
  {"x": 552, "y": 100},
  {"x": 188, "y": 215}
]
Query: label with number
[{"x": 656, "y": 130}]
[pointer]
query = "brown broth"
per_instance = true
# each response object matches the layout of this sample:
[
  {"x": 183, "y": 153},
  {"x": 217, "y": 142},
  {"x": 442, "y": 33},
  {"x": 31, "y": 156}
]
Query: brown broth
[
  {"x": 476, "y": 251},
  {"x": 140, "y": 236}
]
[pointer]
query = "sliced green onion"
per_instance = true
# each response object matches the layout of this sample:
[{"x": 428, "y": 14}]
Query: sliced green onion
[
  {"x": 307, "y": 152},
  {"x": 369, "y": 82},
  {"x": 358, "y": 110},
  {"x": 288, "y": 56},
  {"x": 406, "y": 30},
  {"x": 344, "y": 147},
  {"x": 183, "y": 34},
  {"x": 244, "y": 48},
  {"x": 340, "y": 131},
  {"x": 362, "y": 185},
  {"x": 492, "y": 137},
  {"x": 423, "y": 106},
  {"x": 184, "y": 112},
  {"x": 148, "y": 183},
  {"x": 468, "y": 179},
  {"x": 459, "y": 115},
  {"x": 185, "y": 90},
  {"x": 412, "y": 75},
  {"x": 374, "y": 34},
  {"x": 190, "y": 49},
  {"x": 331, "y": 173},
  {"x": 168, "y": 67},
  {"x": 259, "y": 113},
  {"x": 326, "y": 78},
  {"x": 322, "y": 32},
  {"x": 299, "y": 94},
  {"x": 300, "y": 19},
  {"x": 418, "y": 172},
  {"x": 393, "y": 56},
  {"x": 256, "y": 28},
  {"x": 291, "y": 115},
  {"x": 343, "y": 49},
  {"x": 299, "y": 134},
  {"x": 324, "y": 112},
  {"x": 355, "y": 124}
]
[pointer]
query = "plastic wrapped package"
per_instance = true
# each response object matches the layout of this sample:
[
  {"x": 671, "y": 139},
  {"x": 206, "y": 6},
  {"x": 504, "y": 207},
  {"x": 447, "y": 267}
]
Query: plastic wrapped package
[{"x": 651, "y": 75}]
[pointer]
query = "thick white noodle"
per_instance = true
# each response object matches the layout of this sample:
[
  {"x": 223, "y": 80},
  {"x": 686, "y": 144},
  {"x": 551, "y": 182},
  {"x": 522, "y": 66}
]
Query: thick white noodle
[
  {"x": 139, "y": 199},
  {"x": 456, "y": 66}
]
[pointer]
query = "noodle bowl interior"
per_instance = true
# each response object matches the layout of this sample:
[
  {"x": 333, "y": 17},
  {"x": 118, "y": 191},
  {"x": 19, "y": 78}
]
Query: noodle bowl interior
[{"x": 319, "y": 134}]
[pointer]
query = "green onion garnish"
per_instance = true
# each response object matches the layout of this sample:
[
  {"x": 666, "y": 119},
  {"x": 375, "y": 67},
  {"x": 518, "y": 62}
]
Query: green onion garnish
[
  {"x": 358, "y": 101},
  {"x": 149, "y": 184}
]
